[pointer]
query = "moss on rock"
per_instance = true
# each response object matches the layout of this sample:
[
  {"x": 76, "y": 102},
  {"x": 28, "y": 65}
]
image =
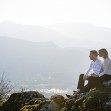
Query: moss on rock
[{"x": 94, "y": 100}]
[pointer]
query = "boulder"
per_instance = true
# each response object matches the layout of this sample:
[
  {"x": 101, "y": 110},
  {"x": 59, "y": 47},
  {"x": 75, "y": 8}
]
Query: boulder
[
  {"x": 18, "y": 100},
  {"x": 94, "y": 100}
]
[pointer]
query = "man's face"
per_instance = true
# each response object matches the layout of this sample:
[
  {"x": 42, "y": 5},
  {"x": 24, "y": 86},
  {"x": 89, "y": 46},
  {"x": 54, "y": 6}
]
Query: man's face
[{"x": 92, "y": 56}]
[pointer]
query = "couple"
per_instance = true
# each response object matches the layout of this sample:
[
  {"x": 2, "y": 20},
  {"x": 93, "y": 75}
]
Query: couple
[{"x": 98, "y": 71}]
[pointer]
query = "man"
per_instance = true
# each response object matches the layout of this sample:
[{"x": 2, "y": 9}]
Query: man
[{"x": 92, "y": 74}]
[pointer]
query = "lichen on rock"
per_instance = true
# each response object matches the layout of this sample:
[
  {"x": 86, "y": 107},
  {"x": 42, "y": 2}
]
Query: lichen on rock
[{"x": 94, "y": 100}]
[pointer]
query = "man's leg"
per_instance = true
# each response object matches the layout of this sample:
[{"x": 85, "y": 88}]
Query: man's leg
[
  {"x": 80, "y": 82},
  {"x": 92, "y": 83}
]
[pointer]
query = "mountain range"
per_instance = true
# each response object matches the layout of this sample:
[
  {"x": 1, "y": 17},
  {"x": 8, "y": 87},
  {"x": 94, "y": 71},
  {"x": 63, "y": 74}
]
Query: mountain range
[{"x": 48, "y": 56}]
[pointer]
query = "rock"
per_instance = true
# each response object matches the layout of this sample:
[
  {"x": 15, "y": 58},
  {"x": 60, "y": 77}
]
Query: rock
[
  {"x": 94, "y": 100},
  {"x": 18, "y": 100},
  {"x": 107, "y": 83},
  {"x": 33, "y": 101},
  {"x": 107, "y": 105},
  {"x": 34, "y": 107},
  {"x": 59, "y": 100},
  {"x": 52, "y": 106},
  {"x": 91, "y": 101}
]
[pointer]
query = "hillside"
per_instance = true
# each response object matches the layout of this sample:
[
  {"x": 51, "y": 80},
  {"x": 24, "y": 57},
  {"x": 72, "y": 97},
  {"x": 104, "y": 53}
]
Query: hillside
[{"x": 41, "y": 64}]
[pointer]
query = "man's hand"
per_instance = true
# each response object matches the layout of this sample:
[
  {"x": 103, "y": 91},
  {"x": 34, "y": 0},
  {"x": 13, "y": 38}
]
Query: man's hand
[{"x": 85, "y": 77}]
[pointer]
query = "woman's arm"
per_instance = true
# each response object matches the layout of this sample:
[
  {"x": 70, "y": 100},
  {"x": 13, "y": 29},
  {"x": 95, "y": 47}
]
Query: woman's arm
[{"x": 105, "y": 67}]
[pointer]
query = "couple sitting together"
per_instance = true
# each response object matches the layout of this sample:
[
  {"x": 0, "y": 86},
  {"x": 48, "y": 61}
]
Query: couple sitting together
[{"x": 98, "y": 71}]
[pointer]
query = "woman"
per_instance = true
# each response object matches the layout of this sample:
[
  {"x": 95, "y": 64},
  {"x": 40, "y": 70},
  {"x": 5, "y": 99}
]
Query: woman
[{"x": 106, "y": 74}]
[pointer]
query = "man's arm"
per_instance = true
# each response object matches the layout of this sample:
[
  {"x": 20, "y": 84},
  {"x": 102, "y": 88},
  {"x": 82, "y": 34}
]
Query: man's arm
[
  {"x": 88, "y": 71},
  {"x": 97, "y": 69}
]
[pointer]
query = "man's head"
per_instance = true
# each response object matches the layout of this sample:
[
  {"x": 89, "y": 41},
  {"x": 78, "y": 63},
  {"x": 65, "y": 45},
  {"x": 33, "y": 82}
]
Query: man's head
[{"x": 93, "y": 55}]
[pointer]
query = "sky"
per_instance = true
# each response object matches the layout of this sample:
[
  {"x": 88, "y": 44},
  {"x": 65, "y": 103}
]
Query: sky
[{"x": 46, "y": 12}]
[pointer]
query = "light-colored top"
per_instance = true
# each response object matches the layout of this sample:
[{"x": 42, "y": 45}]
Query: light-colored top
[
  {"x": 95, "y": 67},
  {"x": 106, "y": 67}
]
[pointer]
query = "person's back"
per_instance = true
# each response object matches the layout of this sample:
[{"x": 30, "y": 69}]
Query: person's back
[
  {"x": 106, "y": 74},
  {"x": 107, "y": 61}
]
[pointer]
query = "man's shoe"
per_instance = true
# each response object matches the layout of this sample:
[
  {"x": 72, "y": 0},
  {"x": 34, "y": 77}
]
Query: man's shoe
[
  {"x": 69, "y": 96},
  {"x": 75, "y": 92}
]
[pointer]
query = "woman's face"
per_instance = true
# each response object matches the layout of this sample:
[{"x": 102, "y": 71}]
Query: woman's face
[{"x": 100, "y": 54}]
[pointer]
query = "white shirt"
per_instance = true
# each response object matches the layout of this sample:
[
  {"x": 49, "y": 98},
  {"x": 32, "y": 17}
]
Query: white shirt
[
  {"x": 106, "y": 67},
  {"x": 95, "y": 67}
]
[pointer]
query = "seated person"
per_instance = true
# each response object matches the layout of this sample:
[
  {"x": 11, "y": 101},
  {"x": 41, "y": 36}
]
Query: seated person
[
  {"x": 92, "y": 74},
  {"x": 106, "y": 74}
]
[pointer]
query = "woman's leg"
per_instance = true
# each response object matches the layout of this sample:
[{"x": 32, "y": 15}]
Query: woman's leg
[
  {"x": 102, "y": 79},
  {"x": 105, "y": 77}
]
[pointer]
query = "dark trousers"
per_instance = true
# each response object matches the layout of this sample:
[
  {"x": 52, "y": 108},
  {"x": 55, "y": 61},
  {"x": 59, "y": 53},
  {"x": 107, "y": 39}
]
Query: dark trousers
[
  {"x": 92, "y": 83},
  {"x": 104, "y": 77},
  {"x": 80, "y": 82}
]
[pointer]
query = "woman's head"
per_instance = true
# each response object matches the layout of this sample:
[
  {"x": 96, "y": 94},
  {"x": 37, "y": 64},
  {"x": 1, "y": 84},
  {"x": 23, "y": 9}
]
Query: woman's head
[{"x": 103, "y": 53}]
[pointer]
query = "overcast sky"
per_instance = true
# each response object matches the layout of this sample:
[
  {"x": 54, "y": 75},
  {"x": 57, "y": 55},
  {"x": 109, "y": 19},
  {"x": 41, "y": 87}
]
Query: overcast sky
[{"x": 45, "y": 12}]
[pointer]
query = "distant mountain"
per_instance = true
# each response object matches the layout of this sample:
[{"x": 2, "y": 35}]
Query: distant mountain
[
  {"x": 27, "y": 32},
  {"x": 41, "y": 64},
  {"x": 85, "y": 34},
  {"x": 64, "y": 35}
]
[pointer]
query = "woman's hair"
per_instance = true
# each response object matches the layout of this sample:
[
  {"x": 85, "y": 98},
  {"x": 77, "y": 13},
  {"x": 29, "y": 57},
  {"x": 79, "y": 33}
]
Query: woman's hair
[{"x": 104, "y": 52}]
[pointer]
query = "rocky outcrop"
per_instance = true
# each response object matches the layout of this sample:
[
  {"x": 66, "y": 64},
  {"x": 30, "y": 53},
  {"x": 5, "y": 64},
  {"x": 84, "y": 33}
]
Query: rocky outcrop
[
  {"x": 94, "y": 100},
  {"x": 18, "y": 100}
]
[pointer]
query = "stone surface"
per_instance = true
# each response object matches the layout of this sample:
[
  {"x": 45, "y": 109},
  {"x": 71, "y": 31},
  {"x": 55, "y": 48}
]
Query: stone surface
[{"x": 94, "y": 100}]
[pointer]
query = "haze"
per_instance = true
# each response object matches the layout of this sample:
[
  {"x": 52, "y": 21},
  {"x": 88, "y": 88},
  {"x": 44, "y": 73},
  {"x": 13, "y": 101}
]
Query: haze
[
  {"x": 45, "y": 12},
  {"x": 41, "y": 41}
]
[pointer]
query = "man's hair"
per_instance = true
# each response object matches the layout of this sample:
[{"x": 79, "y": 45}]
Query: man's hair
[{"x": 94, "y": 52}]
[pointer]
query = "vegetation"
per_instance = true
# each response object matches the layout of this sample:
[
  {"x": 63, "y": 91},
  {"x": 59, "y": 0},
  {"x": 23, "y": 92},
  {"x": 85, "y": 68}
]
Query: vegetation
[
  {"x": 1, "y": 102},
  {"x": 5, "y": 87}
]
